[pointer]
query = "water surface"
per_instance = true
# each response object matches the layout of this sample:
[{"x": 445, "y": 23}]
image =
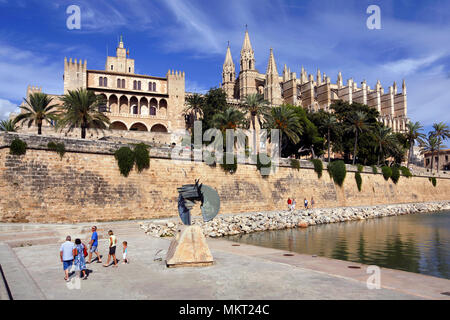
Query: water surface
[{"x": 417, "y": 243}]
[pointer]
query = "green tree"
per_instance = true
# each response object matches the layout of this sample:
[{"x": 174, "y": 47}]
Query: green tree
[
  {"x": 81, "y": 110},
  {"x": 231, "y": 118},
  {"x": 257, "y": 108},
  {"x": 214, "y": 101},
  {"x": 358, "y": 125},
  {"x": 8, "y": 126},
  {"x": 287, "y": 122},
  {"x": 195, "y": 104},
  {"x": 38, "y": 108},
  {"x": 385, "y": 141},
  {"x": 413, "y": 133},
  {"x": 442, "y": 132},
  {"x": 430, "y": 144}
]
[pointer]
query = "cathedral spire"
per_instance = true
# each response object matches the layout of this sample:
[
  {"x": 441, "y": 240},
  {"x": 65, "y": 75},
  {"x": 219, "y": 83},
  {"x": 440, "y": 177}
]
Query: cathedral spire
[
  {"x": 228, "y": 57},
  {"x": 247, "y": 54},
  {"x": 271, "y": 66}
]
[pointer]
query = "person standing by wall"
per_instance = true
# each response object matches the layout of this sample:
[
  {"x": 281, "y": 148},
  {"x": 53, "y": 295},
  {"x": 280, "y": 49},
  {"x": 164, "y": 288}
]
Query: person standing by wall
[
  {"x": 306, "y": 203},
  {"x": 312, "y": 202},
  {"x": 293, "y": 203},
  {"x": 289, "y": 204}
]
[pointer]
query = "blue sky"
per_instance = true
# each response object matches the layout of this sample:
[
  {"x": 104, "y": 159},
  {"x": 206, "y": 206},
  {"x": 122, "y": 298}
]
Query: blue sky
[{"x": 192, "y": 35}]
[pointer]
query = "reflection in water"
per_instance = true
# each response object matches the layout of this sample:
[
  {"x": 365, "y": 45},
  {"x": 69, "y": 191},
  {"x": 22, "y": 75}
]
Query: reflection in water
[{"x": 417, "y": 243}]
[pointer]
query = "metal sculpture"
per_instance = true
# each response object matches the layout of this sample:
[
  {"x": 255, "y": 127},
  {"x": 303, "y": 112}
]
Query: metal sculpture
[{"x": 190, "y": 193}]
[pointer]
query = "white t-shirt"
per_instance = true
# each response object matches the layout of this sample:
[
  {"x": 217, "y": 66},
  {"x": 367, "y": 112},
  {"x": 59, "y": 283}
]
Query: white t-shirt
[{"x": 67, "y": 250}]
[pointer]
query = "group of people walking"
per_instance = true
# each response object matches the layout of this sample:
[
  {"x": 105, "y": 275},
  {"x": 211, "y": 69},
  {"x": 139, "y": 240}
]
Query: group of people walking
[
  {"x": 292, "y": 203},
  {"x": 74, "y": 254}
]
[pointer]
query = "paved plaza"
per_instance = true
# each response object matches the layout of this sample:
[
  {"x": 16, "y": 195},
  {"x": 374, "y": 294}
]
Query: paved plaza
[{"x": 240, "y": 272}]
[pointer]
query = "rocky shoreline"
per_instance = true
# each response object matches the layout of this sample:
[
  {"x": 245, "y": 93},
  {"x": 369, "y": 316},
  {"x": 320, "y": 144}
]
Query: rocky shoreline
[{"x": 225, "y": 225}]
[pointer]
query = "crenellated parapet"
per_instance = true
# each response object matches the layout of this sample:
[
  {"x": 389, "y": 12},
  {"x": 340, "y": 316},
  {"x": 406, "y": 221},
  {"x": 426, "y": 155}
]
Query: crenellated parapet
[{"x": 75, "y": 74}]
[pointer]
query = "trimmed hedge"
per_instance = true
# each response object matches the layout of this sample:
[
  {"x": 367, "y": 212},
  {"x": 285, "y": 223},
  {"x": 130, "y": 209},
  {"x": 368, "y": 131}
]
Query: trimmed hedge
[
  {"x": 58, "y": 147},
  {"x": 374, "y": 169},
  {"x": 229, "y": 167},
  {"x": 295, "y": 164},
  {"x": 360, "y": 168},
  {"x": 406, "y": 172},
  {"x": 18, "y": 147},
  {"x": 395, "y": 174},
  {"x": 260, "y": 165},
  {"x": 318, "y": 167},
  {"x": 387, "y": 172},
  {"x": 358, "y": 179},
  {"x": 337, "y": 171}
]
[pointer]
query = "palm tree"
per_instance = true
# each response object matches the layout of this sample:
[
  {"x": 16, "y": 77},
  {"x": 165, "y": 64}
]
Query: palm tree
[
  {"x": 358, "y": 124},
  {"x": 8, "y": 126},
  {"x": 413, "y": 133},
  {"x": 330, "y": 122},
  {"x": 430, "y": 144},
  {"x": 442, "y": 132},
  {"x": 257, "y": 107},
  {"x": 194, "y": 106},
  {"x": 231, "y": 118},
  {"x": 287, "y": 121},
  {"x": 38, "y": 108},
  {"x": 81, "y": 109},
  {"x": 385, "y": 140}
]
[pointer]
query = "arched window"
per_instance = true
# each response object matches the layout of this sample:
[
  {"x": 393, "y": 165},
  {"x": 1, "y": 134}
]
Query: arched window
[
  {"x": 100, "y": 82},
  {"x": 105, "y": 82},
  {"x": 134, "y": 85},
  {"x": 135, "y": 109},
  {"x": 154, "y": 86},
  {"x": 149, "y": 86},
  {"x": 152, "y": 111},
  {"x": 123, "y": 83},
  {"x": 139, "y": 85},
  {"x": 118, "y": 83},
  {"x": 112, "y": 67}
]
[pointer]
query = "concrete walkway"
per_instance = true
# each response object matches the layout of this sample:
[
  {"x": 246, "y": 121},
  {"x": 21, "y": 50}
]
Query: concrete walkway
[{"x": 240, "y": 272}]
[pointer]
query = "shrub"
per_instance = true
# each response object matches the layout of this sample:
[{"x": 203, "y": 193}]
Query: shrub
[
  {"x": 406, "y": 172},
  {"x": 58, "y": 147},
  {"x": 387, "y": 172},
  {"x": 395, "y": 176},
  {"x": 260, "y": 165},
  {"x": 433, "y": 181},
  {"x": 358, "y": 180},
  {"x": 337, "y": 171},
  {"x": 374, "y": 169},
  {"x": 318, "y": 167},
  {"x": 141, "y": 157},
  {"x": 18, "y": 147},
  {"x": 229, "y": 167},
  {"x": 125, "y": 159},
  {"x": 360, "y": 168},
  {"x": 295, "y": 164}
]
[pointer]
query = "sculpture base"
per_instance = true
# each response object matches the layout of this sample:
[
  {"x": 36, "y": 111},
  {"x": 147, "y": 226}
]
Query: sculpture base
[{"x": 189, "y": 249}]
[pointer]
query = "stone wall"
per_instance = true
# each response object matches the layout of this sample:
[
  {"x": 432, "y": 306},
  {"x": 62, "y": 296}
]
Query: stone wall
[{"x": 85, "y": 185}]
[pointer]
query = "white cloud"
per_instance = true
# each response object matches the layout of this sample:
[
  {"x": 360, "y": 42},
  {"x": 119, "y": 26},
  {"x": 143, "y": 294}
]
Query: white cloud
[{"x": 6, "y": 107}]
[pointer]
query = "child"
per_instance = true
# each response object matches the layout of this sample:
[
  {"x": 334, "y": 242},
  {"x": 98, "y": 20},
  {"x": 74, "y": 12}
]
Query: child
[{"x": 125, "y": 250}]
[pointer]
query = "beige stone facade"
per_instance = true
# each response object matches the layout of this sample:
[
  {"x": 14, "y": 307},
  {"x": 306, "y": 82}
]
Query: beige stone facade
[
  {"x": 134, "y": 102},
  {"x": 443, "y": 156},
  {"x": 311, "y": 92}
]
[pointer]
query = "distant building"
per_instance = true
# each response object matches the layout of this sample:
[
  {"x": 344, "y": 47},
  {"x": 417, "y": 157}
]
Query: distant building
[
  {"x": 443, "y": 156},
  {"x": 310, "y": 92}
]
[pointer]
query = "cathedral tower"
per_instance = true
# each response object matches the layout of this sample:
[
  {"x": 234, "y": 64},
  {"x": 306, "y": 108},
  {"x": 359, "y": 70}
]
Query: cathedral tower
[
  {"x": 228, "y": 74},
  {"x": 272, "y": 90},
  {"x": 247, "y": 74}
]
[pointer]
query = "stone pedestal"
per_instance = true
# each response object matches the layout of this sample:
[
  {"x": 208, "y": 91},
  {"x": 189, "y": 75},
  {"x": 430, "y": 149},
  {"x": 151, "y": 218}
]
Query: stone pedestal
[{"x": 189, "y": 249}]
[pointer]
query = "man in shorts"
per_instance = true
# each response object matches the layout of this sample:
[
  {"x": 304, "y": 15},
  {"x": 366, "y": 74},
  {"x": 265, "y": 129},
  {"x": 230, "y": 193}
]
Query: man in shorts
[
  {"x": 94, "y": 246},
  {"x": 66, "y": 255},
  {"x": 112, "y": 249}
]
